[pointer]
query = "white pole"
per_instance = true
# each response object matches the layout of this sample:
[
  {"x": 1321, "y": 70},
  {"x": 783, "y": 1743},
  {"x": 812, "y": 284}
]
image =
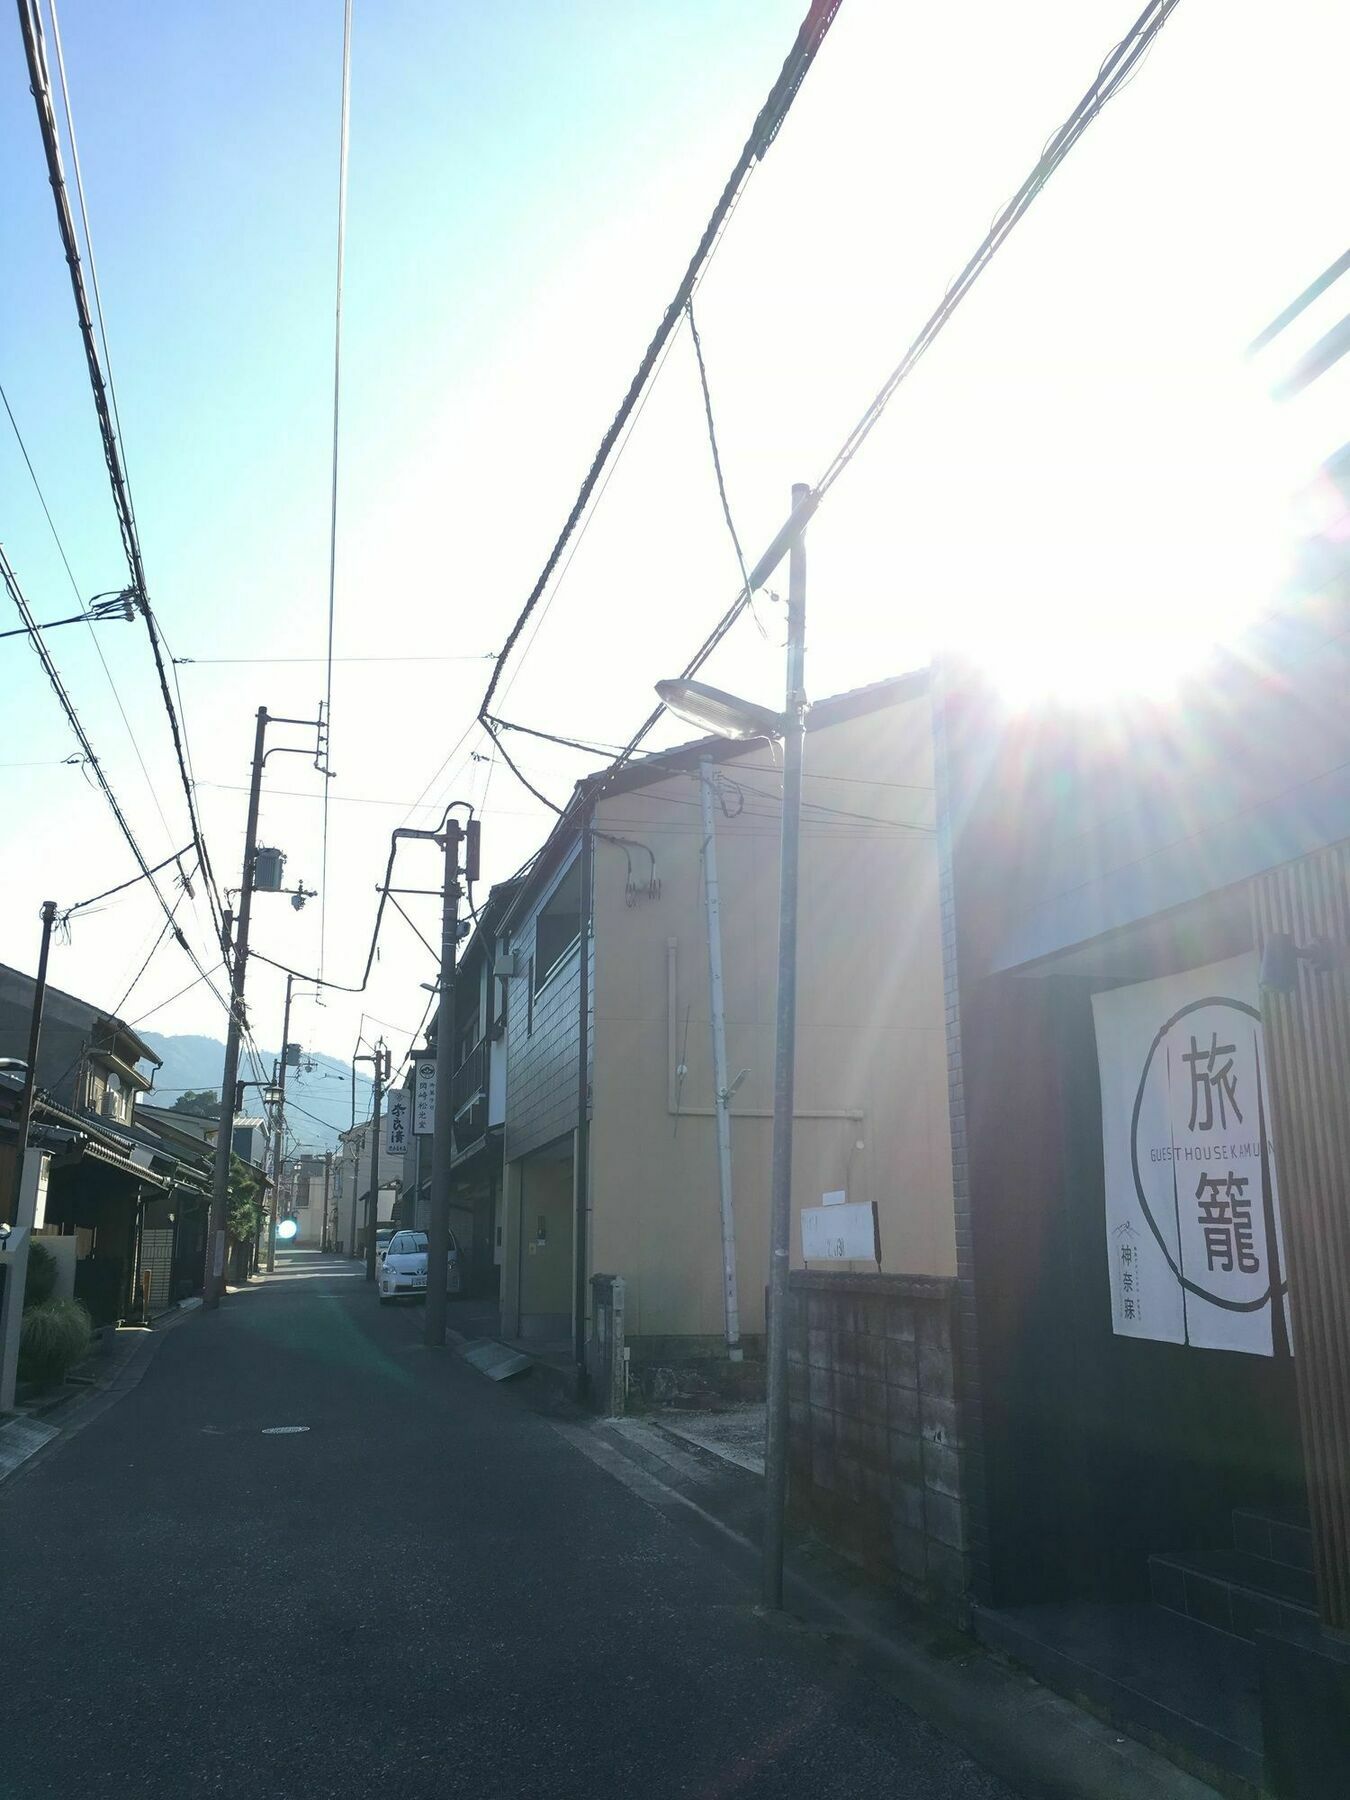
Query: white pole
[{"x": 721, "y": 1087}]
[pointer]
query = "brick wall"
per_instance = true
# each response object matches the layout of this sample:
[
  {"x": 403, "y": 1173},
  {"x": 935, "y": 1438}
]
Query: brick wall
[{"x": 873, "y": 1439}]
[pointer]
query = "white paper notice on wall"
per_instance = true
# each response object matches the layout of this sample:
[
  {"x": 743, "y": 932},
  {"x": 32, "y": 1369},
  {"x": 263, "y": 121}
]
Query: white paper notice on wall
[
  {"x": 1193, "y": 1234},
  {"x": 835, "y": 1197},
  {"x": 841, "y": 1233}
]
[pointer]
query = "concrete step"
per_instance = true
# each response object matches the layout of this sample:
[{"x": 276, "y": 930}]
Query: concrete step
[
  {"x": 1279, "y": 1536},
  {"x": 1232, "y": 1591},
  {"x": 1152, "y": 1673}
]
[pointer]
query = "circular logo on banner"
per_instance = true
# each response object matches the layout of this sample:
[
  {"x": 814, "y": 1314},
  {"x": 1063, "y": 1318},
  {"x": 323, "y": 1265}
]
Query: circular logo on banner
[{"x": 1209, "y": 1090}]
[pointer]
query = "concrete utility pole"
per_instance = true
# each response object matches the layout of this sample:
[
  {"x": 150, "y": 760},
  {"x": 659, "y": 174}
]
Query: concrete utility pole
[
  {"x": 442, "y": 1135},
  {"x": 14, "y": 1270},
  {"x": 280, "y": 1134},
  {"x": 220, "y": 1190},
  {"x": 381, "y": 1061},
  {"x": 785, "y": 1054},
  {"x": 34, "y": 1041},
  {"x": 325, "y": 1235},
  {"x": 722, "y": 1090},
  {"x": 214, "y": 1285}
]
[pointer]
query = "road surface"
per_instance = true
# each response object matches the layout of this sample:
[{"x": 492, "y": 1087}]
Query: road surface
[{"x": 427, "y": 1591}]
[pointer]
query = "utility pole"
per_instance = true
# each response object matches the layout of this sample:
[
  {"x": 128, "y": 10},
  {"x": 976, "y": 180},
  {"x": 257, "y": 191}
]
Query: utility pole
[
  {"x": 15, "y": 1271},
  {"x": 722, "y": 1090},
  {"x": 325, "y": 1236},
  {"x": 280, "y": 1133},
  {"x": 442, "y": 1135},
  {"x": 381, "y": 1061},
  {"x": 785, "y": 1052},
  {"x": 220, "y": 1191},
  {"x": 34, "y": 1041},
  {"x": 214, "y": 1285}
]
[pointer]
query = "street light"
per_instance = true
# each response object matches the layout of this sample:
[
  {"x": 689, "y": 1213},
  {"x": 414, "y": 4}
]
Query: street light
[
  {"x": 729, "y": 716},
  {"x": 722, "y": 714}
]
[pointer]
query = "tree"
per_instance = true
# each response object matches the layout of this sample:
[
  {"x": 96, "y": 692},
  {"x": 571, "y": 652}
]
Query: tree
[
  {"x": 202, "y": 1103},
  {"x": 246, "y": 1209}
]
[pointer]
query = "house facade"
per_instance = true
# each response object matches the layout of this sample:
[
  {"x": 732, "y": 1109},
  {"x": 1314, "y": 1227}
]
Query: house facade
[
  {"x": 1146, "y": 918},
  {"x": 128, "y": 1201},
  {"x": 609, "y": 1140},
  {"x": 483, "y": 989}
]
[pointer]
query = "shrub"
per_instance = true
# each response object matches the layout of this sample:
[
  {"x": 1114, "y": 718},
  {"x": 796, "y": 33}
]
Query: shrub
[
  {"x": 52, "y": 1339},
  {"x": 41, "y": 1282}
]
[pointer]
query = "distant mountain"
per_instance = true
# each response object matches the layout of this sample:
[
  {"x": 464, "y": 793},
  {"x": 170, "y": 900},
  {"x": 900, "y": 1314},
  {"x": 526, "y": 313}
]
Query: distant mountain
[{"x": 318, "y": 1094}]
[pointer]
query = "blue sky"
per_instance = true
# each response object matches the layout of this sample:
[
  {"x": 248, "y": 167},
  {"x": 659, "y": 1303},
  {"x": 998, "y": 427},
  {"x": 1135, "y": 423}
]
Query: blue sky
[{"x": 526, "y": 181}]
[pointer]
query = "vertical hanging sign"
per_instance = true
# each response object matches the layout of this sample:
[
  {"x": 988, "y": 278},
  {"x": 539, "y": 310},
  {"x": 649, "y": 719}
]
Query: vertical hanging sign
[
  {"x": 424, "y": 1097},
  {"x": 396, "y": 1122},
  {"x": 1194, "y": 1243}
]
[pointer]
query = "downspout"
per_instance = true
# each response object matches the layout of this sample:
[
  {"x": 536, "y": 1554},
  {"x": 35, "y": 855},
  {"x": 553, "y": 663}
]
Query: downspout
[{"x": 581, "y": 1170}]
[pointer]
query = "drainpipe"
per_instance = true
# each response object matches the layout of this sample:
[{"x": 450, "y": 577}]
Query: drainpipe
[
  {"x": 581, "y": 1170},
  {"x": 722, "y": 1089}
]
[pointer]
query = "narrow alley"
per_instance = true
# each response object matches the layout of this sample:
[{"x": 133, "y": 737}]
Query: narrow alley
[{"x": 424, "y": 1591}]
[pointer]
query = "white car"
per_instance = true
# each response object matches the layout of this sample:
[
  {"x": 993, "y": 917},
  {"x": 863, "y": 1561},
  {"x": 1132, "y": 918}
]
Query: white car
[{"x": 403, "y": 1266}]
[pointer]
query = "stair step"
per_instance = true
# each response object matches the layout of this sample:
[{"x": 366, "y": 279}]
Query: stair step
[
  {"x": 1233, "y": 1591},
  {"x": 1282, "y": 1537}
]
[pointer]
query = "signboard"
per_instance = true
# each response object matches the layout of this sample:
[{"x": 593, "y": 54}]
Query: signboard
[
  {"x": 396, "y": 1110},
  {"x": 1193, "y": 1237},
  {"x": 424, "y": 1100},
  {"x": 842, "y": 1232}
]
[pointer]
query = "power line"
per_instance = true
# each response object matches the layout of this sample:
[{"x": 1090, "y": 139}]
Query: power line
[
  {"x": 75, "y": 588},
  {"x": 105, "y": 405},
  {"x": 1113, "y": 74},
  {"x": 218, "y": 661},
  {"x": 768, "y": 121},
  {"x": 406, "y": 916},
  {"x": 163, "y": 933},
  {"x": 333, "y": 511},
  {"x": 107, "y": 893},
  {"x": 1110, "y": 78},
  {"x": 82, "y": 738},
  {"x": 717, "y": 461},
  {"x": 161, "y": 1004}
]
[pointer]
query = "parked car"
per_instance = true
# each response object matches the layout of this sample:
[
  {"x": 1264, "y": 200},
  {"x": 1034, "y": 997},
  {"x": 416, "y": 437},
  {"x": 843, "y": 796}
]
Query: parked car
[{"x": 403, "y": 1267}]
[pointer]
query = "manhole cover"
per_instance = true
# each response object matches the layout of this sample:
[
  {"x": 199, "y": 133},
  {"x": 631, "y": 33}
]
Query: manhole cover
[{"x": 283, "y": 1430}]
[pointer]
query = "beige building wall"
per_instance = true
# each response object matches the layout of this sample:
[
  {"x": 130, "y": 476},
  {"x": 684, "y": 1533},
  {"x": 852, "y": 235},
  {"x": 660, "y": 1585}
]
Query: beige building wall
[{"x": 871, "y": 1092}]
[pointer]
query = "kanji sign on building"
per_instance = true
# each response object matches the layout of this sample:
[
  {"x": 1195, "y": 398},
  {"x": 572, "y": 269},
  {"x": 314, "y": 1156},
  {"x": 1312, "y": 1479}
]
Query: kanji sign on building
[
  {"x": 396, "y": 1122},
  {"x": 1195, "y": 1248},
  {"x": 424, "y": 1096}
]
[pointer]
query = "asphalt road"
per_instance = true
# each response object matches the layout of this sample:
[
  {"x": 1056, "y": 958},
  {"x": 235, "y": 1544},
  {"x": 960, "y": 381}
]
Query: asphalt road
[{"x": 428, "y": 1591}]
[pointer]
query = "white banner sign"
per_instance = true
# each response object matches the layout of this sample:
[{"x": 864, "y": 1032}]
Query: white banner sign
[
  {"x": 1193, "y": 1233},
  {"x": 843, "y": 1232},
  {"x": 424, "y": 1100},
  {"x": 396, "y": 1110}
]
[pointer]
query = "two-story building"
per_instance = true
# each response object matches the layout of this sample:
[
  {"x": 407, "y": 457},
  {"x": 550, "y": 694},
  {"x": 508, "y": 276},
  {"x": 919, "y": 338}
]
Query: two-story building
[
  {"x": 610, "y": 1152},
  {"x": 351, "y": 1184},
  {"x": 478, "y": 1097},
  {"x": 129, "y": 1201}
]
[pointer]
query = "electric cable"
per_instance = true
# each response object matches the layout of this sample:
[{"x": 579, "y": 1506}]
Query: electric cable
[
  {"x": 1113, "y": 73},
  {"x": 58, "y": 686},
  {"x": 107, "y": 893},
  {"x": 768, "y": 121},
  {"x": 717, "y": 462},
  {"x": 327, "y": 769},
  {"x": 30, "y": 22}
]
